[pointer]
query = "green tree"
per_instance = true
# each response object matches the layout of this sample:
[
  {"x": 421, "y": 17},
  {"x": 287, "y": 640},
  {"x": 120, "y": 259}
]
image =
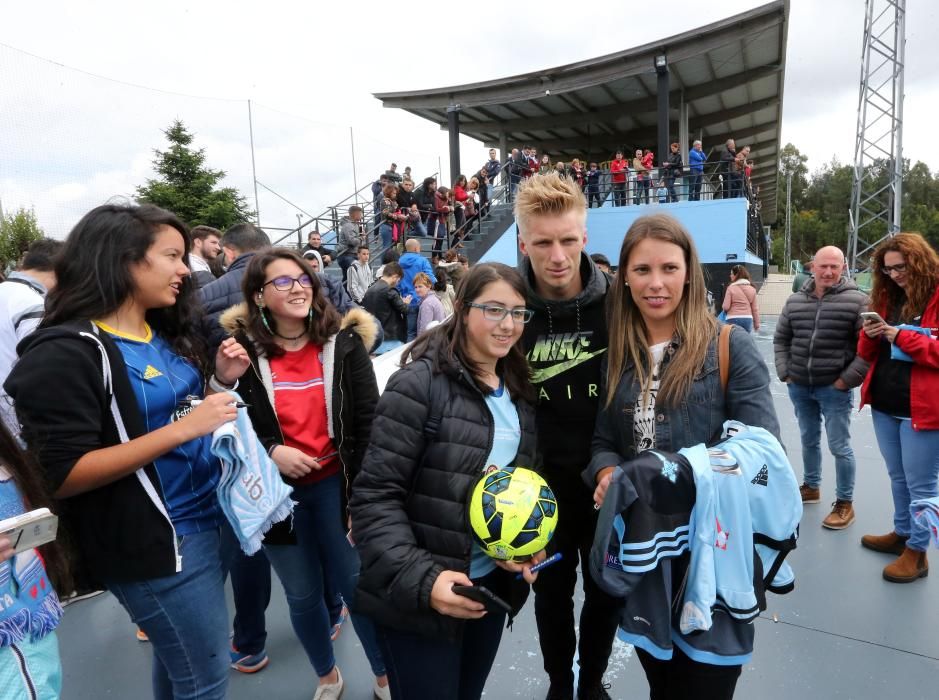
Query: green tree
[
  {"x": 188, "y": 188},
  {"x": 17, "y": 231},
  {"x": 791, "y": 160}
]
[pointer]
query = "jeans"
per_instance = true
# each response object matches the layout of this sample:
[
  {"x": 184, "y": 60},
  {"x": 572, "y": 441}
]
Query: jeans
[
  {"x": 554, "y": 603},
  {"x": 811, "y": 404},
  {"x": 437, "y": 230},
  {"x": 681, "y": 678},
  {"x": 321, "y": 550},
  {"x": 419, "y": 228},
  {"x": 670, "y": 186},
  {"x": 619, "y": 194},
  {"x": 251, "y": 589},
  {"x": 386, "y": 233},
  {"x": 594, "y": 196},
  {"x": 185, "y": 617},
  {"x": 743, "y": 322},
  {"x": 388, "y": 346},
  {"x": 412, "y": 321},
  {"x": 694, "y": 187},
  {"x": 912, "y": 459},
  {"x": 345, "y": 262},
  {"x": 421, "y": 667}
]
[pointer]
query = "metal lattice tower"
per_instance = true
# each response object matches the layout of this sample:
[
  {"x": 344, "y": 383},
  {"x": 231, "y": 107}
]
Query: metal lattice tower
[{"x": 876, "y": 196}]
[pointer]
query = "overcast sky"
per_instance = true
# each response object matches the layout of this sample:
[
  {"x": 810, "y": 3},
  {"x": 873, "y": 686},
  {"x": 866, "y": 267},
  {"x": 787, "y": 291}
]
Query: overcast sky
[{"x": 70, "y": 140}]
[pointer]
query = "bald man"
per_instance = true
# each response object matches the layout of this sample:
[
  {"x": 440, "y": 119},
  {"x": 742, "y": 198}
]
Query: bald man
[
  {"x": 411, "y": 263},
  {"x": 814, "y": 344}
]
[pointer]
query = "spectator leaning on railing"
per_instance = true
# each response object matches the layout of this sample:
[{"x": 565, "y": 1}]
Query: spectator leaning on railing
[{"x": 696, "y": 159}]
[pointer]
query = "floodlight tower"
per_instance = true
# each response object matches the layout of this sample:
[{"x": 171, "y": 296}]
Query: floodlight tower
[{"x": 876, "y": 195}]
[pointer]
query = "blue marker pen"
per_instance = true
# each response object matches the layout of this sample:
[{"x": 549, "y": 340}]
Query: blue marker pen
[{"x": 553, "y": 559}]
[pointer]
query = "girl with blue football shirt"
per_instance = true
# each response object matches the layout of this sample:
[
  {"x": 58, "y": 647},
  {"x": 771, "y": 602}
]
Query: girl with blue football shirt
[{"x": 104, "y": 390}]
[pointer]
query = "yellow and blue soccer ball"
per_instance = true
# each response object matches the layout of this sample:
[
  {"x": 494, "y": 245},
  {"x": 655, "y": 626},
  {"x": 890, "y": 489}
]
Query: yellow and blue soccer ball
[{"x": 513, "y": 513}]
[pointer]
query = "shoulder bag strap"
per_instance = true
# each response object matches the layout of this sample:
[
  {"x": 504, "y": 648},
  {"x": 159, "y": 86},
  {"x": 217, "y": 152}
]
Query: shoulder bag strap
[{"x": 723, "y": 354}]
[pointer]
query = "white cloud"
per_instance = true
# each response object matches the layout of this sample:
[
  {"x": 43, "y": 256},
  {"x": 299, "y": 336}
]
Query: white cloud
[{"x": 69, "y": 141}]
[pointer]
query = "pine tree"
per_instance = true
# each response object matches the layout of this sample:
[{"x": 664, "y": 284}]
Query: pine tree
[{"x": 189, "y": 189}]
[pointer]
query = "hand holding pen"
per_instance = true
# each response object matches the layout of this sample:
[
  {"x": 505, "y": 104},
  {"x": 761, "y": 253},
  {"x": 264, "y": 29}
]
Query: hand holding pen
[{"x": 553, "y": 559}]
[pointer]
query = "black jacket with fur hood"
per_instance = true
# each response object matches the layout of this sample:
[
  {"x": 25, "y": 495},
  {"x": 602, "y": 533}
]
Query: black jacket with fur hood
[{"x": 351, "y": 394}]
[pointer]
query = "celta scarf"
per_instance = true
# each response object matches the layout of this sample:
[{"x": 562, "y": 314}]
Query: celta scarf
[{"x": 251, "y": 492}]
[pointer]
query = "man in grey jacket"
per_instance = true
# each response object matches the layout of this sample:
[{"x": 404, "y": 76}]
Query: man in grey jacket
[
  {"x": 815, "y": 346},
  {"x": 351, "y": 236}
]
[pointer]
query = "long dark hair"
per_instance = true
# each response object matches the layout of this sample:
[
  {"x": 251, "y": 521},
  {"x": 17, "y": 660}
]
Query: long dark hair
[
  {"x": 27, "y": 475},
  {"x": 447, "y": 342},
  {"x": 324, "y": 321},
  {"x": 93, "y": 274}
]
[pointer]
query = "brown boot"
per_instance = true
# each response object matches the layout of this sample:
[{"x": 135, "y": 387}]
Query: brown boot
[
  {"x": 841, "y": 516},
  {"x": 888, "y": 544},
  {"x": 910, "y": 566}
]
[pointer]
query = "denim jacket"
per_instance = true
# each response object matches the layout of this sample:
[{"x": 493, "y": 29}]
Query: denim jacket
[{"x": 696, "y": 419}]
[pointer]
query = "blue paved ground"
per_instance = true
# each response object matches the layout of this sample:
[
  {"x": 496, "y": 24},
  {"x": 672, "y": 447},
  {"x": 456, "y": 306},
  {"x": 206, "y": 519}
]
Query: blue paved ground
[{"x": 844, "y": 633}]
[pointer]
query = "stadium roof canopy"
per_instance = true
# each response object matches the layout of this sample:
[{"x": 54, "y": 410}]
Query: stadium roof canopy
[{"x": 726, "y": 81}]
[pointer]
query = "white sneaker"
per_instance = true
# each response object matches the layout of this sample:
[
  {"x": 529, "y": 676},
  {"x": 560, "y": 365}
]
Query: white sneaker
[
  {"x": 382, "y": 693},
  {"x": 330, "y": 691}
]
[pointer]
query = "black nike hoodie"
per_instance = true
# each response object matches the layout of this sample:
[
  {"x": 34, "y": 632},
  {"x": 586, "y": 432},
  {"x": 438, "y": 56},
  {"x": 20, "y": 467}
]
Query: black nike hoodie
[{"x": 565, "y": 342}]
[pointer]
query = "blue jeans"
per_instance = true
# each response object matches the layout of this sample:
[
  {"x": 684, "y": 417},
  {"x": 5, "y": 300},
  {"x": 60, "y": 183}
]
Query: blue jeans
[
  {"x": 811, "y": 404},
  {"x": 745, "y": 323},
  {"x": 912, "y": 459},
  {"x": 251, "y": 590},
  {"x": 386, "y": 232},
  {"x": 186, "y": 619},
  {"x": 421, "y": 667},
  {"x": 322, "y": 550},
  {"x": 345, "y": 262},
  {"x": 388, "y": 346},
  {"x": 694, "y": 186},
  {"x": 412, "y": 321}
]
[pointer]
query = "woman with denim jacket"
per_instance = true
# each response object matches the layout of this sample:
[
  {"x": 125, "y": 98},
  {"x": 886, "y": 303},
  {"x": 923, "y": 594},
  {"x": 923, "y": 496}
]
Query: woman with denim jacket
[{"x": 662, "y": 390}]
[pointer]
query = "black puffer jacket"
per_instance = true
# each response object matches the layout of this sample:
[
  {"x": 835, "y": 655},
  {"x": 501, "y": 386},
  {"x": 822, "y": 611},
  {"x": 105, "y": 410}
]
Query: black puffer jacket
[
  {"x": 350, "y": 400},
  {"x": 815, "y": 341},
  {"x": 410, "y": 519}
]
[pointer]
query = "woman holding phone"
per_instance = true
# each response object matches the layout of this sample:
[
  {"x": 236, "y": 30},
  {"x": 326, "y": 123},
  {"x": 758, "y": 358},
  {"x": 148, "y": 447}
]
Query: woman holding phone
[
  {"x": 901, "y": 386},
  {"x": 102, "y": 390},
  {"x": 461, "y": 404}
]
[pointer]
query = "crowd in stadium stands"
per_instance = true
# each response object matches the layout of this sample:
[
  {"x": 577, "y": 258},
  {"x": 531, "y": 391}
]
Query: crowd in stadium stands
[
  {"x": 447, "y": 214},
  {"x": 143, "y": 327}
]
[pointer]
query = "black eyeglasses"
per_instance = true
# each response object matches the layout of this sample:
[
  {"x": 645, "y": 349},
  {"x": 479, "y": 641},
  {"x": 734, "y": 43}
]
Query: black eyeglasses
[
  {"x": 284, "y": 283},
  {"x": 887, "y": 269},
  {"x": 496, "y": 313}
]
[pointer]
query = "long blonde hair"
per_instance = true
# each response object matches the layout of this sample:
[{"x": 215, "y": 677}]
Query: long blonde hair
[{"x": 695, "y": 325}]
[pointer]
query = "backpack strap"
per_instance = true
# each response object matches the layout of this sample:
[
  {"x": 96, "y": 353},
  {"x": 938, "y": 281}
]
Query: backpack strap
[
  {"x": 723, "y": 354},
  {"x": 435, "y": 412}
]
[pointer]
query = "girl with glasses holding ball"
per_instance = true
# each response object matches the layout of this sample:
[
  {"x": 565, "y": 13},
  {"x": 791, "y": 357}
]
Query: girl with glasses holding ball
[{"x": 462, "y": 402}]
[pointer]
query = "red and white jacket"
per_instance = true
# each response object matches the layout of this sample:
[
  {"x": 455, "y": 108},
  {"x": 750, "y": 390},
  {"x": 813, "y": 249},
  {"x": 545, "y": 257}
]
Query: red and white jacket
[{"x": 924, "y": 380}]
